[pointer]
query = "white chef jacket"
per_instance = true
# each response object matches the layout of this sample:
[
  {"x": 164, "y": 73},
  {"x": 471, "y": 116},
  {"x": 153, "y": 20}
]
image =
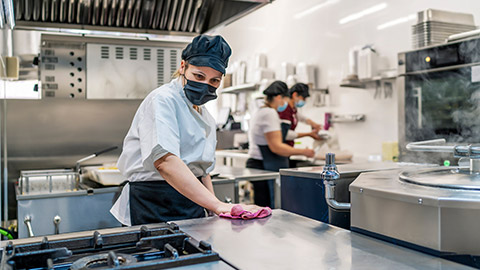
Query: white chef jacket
[
  {"x": 264, "y": 120},
  {"x": 165, "y": 123}
]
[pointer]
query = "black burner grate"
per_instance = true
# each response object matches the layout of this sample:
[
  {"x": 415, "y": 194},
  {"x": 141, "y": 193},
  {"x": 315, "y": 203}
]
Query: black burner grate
[{"x": 147, "y": 248}]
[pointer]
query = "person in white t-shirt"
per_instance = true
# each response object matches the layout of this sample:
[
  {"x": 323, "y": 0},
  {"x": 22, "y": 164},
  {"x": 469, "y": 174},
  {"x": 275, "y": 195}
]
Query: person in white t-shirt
[{"x": 267, "y": 150}]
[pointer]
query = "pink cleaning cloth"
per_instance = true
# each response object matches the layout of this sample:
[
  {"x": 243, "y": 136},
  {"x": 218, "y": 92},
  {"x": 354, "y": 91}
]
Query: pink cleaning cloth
[{"x": 237, "y": 212}]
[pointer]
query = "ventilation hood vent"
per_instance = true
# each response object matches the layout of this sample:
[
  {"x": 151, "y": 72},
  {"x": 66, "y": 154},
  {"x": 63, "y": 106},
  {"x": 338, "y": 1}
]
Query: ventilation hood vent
[{"x": 163, "y": 17}]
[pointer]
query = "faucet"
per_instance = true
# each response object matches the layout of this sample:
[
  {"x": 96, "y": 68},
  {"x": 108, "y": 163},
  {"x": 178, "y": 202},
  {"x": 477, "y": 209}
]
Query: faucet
[{"x": 330, "y": 175}]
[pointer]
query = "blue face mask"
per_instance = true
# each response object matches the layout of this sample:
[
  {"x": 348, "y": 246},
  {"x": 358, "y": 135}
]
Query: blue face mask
[
  {"x": 199, "y": 93},
  {"x": 300, "y": 103},
  {"x": 283, "y": 107}
]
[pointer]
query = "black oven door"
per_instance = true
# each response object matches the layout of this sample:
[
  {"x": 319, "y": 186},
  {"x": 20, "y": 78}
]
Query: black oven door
[{"x": 443, "y": 104}]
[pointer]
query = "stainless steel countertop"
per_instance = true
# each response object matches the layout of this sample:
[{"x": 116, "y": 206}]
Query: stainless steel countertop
[
  {"x": 289, "y": 241},
  {"x": 345, "y": 170},
  {"x": 236, "y": 153},
  {"x": 243, "y": 174}
]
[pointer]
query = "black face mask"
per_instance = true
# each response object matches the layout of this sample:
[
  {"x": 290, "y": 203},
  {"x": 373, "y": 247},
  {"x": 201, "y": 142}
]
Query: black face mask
[{"x": 199, "y": 93}]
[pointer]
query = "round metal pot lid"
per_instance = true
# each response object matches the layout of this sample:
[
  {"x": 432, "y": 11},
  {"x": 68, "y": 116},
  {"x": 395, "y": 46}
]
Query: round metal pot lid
[{"x": 451, "y": 178}]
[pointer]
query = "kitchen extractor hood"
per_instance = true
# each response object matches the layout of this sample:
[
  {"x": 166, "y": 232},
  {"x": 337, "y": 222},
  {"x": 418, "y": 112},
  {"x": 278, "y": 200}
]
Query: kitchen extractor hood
[{"x": 162, "y": 17}]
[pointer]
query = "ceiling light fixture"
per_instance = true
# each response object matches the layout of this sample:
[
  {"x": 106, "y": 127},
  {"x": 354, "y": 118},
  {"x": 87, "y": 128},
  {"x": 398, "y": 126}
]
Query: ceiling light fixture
[
  {"x": 363, "y": 13},
  {"x": 396, "y": 21},
  {"x": 315, "y": 8}
]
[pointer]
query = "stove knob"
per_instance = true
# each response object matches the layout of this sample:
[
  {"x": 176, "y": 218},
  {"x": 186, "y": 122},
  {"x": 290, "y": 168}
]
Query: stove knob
[
  {"x": 113, "y": 260},
  {"x": 173, "y": 226},
  {"x": 9, "y": 248},
  {"x": 205, "y": 246},
  {"x": 97, "y": 240},
  {"x": 144, "y": 232}
]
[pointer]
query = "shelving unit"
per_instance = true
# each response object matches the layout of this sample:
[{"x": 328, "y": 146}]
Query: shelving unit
[
  {"x": 240, "y": 88},
  {"x": 363, "y": 83}
]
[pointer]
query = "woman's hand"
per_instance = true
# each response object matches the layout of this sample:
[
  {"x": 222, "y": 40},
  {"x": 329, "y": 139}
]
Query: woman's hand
[
  {"x": 251, "y": 207},
  {"x": 316, "y": 126},
  {"x": 314, "y": 135},
  {"x": 308, "y": 152},
  {"x": 225, "y": 208}
]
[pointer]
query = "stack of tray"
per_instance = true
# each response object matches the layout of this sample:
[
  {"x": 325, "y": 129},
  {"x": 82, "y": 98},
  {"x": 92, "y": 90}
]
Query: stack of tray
[{"x": 435, "y": 26}]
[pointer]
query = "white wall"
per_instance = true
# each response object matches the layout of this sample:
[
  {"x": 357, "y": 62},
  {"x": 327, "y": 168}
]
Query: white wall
[{"x": 319, "y": 39}]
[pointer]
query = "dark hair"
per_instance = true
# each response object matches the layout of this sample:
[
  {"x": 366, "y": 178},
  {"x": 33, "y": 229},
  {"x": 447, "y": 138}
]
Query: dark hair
[
  {"x": 301, "y": 89},
  {"x": 269, "y": 98}
]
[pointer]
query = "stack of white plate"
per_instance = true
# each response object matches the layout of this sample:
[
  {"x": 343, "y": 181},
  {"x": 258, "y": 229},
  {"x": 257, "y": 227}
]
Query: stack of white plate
[{"x": 435, "y": 26}]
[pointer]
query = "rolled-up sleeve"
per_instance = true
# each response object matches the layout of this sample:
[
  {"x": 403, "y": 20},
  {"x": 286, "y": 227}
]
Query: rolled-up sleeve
[
  {"x": 158, "y": 131},
  {"x": 301, "y": 117},
  {"x": 271, "y": 121}
]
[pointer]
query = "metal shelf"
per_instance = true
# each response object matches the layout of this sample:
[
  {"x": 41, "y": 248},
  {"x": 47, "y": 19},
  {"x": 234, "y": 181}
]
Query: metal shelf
[
  {"x": 363, "y": 83},
  {"x": 352, "y": 84},
  {"x": 240, "y": 88}
]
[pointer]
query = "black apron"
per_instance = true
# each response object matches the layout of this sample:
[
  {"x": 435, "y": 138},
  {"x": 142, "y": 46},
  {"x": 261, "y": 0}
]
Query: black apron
[
  {"x": 264, "y": 190},
  {"x": 285, "y": 128},
  {"x": 272, "y": 161},
  {"x": 157, "y": 201}
]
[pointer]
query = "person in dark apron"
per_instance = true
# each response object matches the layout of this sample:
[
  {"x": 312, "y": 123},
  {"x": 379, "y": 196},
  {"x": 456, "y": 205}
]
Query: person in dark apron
[
  {"x": 169, "y": 150},
  {"x": 266, "y": 139},
  {"x": 298, "y": 95}
]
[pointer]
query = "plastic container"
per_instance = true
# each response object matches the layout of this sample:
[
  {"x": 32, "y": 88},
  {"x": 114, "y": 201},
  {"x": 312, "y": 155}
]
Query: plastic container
[{"x": 105, "y": 176}]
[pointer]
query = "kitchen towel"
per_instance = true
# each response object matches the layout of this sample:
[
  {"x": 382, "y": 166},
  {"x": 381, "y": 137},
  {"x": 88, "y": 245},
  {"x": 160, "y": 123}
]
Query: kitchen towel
[{"x": 238, "y": 212}]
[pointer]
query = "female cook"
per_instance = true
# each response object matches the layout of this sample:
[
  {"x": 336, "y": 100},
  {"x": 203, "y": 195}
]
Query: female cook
[
  {"x": 169, "y": 150},
  {"x": 298, "y": 95},
  {"x": 267, "y": 149}
]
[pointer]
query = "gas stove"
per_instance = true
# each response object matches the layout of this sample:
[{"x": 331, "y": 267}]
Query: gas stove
[{"x": 154, "y": 247}]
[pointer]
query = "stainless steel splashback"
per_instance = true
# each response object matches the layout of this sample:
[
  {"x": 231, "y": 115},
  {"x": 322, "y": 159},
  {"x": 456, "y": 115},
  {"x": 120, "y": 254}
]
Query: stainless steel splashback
[
  {"x": 135, "y": 16},
  {"x": 54, "y": 133}
]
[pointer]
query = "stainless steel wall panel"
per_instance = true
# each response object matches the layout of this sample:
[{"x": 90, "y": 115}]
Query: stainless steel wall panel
[
  {"x": 78, "y": 211},
  {"x": 55, "y": 133}
]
